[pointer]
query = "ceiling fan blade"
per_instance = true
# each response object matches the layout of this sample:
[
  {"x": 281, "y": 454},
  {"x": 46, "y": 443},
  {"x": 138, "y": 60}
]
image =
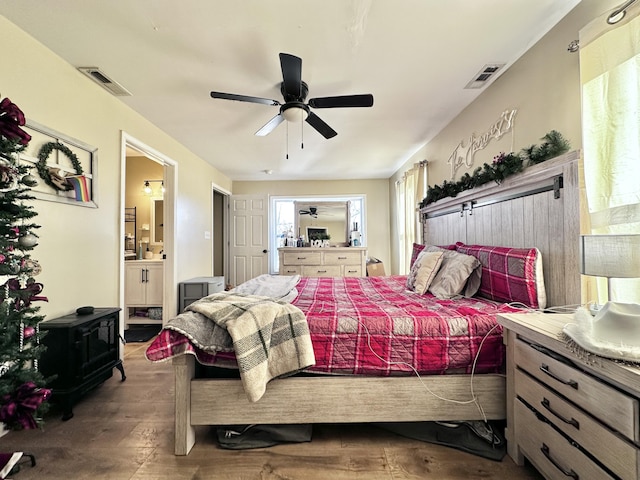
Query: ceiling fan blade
[
  {"x": 270, "y": 125},
  {"x": 291, "y": 74},
  {"x": 244, "y": 98},
  {"x": 365, "y": 100},
  {"x": 316, "y": 122}
]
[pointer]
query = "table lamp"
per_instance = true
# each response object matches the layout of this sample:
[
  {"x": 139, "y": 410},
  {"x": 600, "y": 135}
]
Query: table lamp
[{"x": 610, "y": 256}]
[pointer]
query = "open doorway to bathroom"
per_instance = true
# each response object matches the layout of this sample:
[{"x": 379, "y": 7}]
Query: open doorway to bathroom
[
  {"x": 144, "y": 245},
  {"x": 219, "y": 234},
  {"x": 148, "y": 248}
]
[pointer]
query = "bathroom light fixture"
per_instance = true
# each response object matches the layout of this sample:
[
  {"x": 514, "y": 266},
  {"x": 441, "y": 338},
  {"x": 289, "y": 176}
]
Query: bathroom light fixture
[
  {"x": 147, "y": 186},
  {"x": 619, "y": 13}
]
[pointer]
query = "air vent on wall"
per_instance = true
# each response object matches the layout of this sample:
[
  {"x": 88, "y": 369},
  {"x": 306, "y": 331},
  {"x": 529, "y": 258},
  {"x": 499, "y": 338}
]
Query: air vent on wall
[
  {"x": 487, "y": 72},
  {"x": 104, "y": 81}
]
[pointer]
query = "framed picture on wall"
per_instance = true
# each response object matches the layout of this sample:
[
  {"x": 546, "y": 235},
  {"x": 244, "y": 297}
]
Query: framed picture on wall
[{"x": 65, "y": 167}]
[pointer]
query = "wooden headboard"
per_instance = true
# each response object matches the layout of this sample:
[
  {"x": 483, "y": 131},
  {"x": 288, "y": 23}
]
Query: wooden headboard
[{"x": 538, "y": 207}]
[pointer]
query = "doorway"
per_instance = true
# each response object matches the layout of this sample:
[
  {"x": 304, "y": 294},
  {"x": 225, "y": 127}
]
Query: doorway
[
  {"x": 153, "y": 237},
  {"x": 220, "y": 237}
]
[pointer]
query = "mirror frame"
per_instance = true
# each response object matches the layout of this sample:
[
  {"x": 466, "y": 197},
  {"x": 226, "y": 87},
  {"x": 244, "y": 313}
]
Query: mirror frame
[
  {"x": 152, "y": 221},
  {"x": 298, "y": 204}
]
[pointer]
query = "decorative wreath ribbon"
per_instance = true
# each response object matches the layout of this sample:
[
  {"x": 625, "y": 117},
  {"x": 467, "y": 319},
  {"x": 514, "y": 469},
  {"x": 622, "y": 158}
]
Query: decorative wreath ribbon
[
  {"x": 45, "y": 172},
  {"x": 24, "y": 296},
  {"x": 19, "y": 407}
]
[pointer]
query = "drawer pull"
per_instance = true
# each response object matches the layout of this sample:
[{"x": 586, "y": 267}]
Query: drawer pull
[
  {"x": 573, "y": 422},
  {"x": 342, "y": 258},
  {"x": 545, "y": 369},
  {"x": 545, "y": 450},
  {"x": 302, "y": 258},
  {"x": 322, "y": 271}
]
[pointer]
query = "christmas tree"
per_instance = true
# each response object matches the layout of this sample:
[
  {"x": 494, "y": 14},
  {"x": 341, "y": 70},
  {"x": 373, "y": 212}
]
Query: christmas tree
[{"x": 22, "y": 393}]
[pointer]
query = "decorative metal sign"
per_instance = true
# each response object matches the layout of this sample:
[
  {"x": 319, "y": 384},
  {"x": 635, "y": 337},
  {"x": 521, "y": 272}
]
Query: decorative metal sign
[{"x": 465, "y": 155}]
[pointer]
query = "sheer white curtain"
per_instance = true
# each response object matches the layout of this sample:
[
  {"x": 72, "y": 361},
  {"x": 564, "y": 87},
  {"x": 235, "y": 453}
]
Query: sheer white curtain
[
  {"x": 410, "y": 190},
  {"x": 610, "y": 77}
]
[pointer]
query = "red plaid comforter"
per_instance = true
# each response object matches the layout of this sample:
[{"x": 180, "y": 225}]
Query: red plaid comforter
[{"x": 374, "y": 326}]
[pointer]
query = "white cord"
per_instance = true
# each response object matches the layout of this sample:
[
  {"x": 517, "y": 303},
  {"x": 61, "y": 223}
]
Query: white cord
[{"x": 473, "y": 399}]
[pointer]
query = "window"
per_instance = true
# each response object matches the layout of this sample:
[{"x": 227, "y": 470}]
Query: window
[{"x": 284, "y": 220}]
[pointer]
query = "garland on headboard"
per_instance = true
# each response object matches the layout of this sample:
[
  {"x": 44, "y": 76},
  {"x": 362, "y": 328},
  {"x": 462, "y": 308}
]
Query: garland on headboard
[{"x": 503, "y": 166}]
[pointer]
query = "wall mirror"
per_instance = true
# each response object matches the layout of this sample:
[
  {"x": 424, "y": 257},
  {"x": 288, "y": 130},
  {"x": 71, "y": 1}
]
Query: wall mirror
[
  {"x": 330, "y": 218},
  {"x": 157, "y": 221}
]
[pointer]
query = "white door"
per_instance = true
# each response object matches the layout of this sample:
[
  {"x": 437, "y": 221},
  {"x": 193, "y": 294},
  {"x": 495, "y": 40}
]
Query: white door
[{"x": 249, "y": 237}]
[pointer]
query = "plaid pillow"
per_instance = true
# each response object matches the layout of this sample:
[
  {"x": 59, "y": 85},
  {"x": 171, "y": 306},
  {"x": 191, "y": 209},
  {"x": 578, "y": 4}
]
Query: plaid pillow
[
  {"x": 509, "y": 274},
  {"x": 417, "y": 248}
]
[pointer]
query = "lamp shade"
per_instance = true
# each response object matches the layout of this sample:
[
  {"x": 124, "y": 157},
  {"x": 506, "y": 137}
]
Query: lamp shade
[{"x": 612, "y": 256}]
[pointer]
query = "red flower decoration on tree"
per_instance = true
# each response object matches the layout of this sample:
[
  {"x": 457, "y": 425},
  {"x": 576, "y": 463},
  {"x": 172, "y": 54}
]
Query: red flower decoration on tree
[{"x": 11, "y": 119}]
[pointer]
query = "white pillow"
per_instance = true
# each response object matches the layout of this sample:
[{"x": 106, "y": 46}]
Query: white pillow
[
  {"x": 456, "y": 270},
  {"x": 424, "y": 270}
]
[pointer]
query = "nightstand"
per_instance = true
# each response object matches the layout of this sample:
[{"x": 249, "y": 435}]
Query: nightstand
[{"x": 571, "y": 416}]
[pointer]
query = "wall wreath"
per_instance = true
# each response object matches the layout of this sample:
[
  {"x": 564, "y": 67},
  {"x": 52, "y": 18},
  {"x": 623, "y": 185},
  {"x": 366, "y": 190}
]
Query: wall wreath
[{"x": 50, "y": 175}]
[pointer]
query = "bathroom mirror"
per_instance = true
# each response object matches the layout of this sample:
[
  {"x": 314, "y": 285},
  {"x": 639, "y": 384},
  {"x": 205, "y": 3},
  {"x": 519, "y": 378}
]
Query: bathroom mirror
[
  {"x": 329, "y": 217},
  {"x": 157, "y": 221}
]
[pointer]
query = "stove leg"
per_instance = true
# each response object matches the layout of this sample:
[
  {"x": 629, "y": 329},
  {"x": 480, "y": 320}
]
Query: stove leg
[{"x": 120, "y": 367}]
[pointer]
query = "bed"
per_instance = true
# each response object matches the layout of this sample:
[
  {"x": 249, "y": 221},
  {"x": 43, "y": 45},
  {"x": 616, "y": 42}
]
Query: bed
[{"x": 537, "y": 208}]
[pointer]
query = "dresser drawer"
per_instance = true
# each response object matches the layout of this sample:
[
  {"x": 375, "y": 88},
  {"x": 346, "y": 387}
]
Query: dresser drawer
[
  {"x": 321, "y": 271},
  {"x": 352, "y": 271},
  {"x": 550, "y": 452},
  {"x": 612, "y": 407},
  {"x": 291, "y": 270},
  {"x": 299, "y": 258},
  {"x": 615, "y": 453},
  {"x": 342, "y": 258}
]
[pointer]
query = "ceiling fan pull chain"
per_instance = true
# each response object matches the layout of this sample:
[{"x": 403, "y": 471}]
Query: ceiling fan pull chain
[
  {"x": 287, "y": 157},
  {"x": 301, "y": 133}
]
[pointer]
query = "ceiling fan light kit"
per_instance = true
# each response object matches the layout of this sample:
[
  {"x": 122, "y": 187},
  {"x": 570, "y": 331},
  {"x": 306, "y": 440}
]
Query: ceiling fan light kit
[
  {"x": 294, "y": 92},
  {"x": 294, "y": 111}
]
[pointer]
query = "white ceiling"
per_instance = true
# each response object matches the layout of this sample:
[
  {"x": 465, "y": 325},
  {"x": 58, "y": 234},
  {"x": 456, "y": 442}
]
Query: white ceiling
[{"x": 414, "y": 56}]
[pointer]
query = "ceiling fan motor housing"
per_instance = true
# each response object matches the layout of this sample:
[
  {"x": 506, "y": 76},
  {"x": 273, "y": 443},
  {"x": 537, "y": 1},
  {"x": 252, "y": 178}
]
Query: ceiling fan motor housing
[{"x": 304, "y": 91}]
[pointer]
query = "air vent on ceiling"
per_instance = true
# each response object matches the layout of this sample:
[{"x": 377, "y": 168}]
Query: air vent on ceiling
[
  {"x": 104, "y": 81},
  {"x": 487, "y": 72}
]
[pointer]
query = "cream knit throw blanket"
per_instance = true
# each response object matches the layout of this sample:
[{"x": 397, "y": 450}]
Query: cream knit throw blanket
[{"x": 270, "y": 339}]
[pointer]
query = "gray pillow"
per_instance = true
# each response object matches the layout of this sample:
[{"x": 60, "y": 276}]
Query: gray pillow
[{"x": 459, "y": 274}]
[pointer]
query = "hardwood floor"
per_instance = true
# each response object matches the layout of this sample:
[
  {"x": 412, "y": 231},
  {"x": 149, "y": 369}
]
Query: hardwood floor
[{"x": 124, "y": 430}]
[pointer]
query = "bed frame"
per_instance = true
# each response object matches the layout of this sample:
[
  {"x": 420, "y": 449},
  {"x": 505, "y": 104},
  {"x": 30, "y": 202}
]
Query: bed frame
[{"x": 538, "y": 207}]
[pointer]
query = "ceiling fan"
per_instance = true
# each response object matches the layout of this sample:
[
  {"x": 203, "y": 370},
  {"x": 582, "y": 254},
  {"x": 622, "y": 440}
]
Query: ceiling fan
[
  {"x": 294, "y": 92},
  {"x": 312, "y": 212}
]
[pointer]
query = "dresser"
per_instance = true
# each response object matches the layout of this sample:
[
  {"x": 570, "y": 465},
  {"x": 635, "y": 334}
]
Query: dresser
[
  {"x": 572, "y": 416},
  {"x": 323, "y": 262}
]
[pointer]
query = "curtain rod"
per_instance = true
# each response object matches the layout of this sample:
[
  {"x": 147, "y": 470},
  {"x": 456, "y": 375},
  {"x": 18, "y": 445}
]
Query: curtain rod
[{"x": 619, "y": 13}]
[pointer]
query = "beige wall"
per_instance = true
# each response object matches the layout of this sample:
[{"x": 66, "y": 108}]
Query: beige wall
[
  {"x": 544, "y": 87},
  {"x": 375, "y": 191},
  {"x": 80, "y": 248}
]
